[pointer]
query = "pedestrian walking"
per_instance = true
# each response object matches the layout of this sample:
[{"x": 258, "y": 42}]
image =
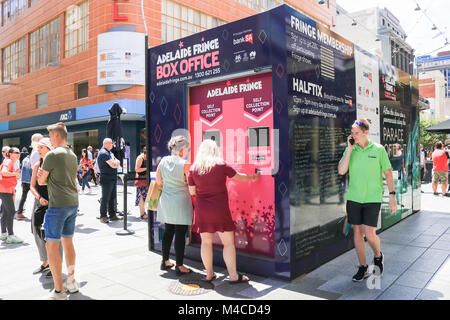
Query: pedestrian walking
[
  {"x": 7, "y": 189},
  {"x": 207, "y": 181},
  {"x": 40, "y": 193},
  {"x": 26, "y": 180},
  {"x": 84, "y": 168},
  {"x": 58, "y": 172},
  {"x": 440, "y": 169},
  {"x": 366, "y": 162},
  {"x": 91, "y": 157},
  {"x": 108, "y": 165},
  {"x": 141, "y": 185},
  {"x": 175, "y": 204}
]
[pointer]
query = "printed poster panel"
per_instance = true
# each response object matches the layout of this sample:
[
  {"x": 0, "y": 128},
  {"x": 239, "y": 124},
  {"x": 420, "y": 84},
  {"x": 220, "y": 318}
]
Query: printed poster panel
[
  {"x": 121, "y": 58},
  {"x": 322, "y": 107},
  {"x": 367, "y": 91},
  {"x": 395, "y": 120}
]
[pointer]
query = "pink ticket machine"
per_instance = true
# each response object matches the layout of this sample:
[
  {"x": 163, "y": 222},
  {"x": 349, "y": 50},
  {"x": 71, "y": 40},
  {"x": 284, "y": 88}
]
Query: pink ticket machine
[{"x": 237, "y": 113}]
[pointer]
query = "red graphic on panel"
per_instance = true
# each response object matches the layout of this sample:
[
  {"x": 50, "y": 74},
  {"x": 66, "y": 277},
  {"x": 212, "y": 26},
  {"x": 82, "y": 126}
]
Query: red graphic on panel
[{"x": 239, "y": 114}]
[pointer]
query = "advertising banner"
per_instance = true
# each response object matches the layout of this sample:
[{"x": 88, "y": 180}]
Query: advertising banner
[
  {"x": 322, "y": 107},
  {"x": 395, "y": 122},
  {"x": 120, "y": 58},
  {"x": 367, "y": 91}
]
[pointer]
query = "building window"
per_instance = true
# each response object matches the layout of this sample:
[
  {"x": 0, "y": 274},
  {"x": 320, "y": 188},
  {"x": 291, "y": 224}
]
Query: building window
[
  {"x": 11, "y": 108},
  {"x": 178, "y": 21},
  {"x": 82, "y": 90},
  {"x": 384, "y": 22},
  {"x": 11, "y": 142},
  {"x": 13, "y": 8},
  {"x": 42, "y": 100},
  {"x": 77, "y": 29},
  {"x": 14, "y": 60},
  {"x": 263, "y": 5},
  {"x": 44, "y": 45}
]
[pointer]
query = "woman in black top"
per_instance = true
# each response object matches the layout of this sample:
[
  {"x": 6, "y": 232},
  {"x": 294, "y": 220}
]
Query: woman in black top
[{"x": 141, "y": 187}]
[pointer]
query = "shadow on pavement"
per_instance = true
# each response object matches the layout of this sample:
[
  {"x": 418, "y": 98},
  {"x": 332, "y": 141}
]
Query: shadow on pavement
[{"x": 78, "y": 228}]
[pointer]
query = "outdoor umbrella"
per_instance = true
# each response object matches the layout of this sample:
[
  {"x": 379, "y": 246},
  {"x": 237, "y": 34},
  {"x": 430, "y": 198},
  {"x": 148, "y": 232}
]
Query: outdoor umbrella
[
  {"x": 114, "y": 131},
  {"x": 442, "y": 127}
]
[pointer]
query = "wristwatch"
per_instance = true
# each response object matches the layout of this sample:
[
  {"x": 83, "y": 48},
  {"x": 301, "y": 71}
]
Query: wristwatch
[{"x": 392, "y": 192}]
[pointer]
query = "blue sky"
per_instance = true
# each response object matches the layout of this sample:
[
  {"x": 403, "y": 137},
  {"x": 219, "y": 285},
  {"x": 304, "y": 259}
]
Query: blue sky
[{"x": 416, "y": 24}]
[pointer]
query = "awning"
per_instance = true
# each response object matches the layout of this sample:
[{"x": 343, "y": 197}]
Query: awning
[{"x": 443, "y": 127}]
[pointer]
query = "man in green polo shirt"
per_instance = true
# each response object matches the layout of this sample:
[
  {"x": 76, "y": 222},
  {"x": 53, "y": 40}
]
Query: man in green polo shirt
[{"x": 366, "y": 162}]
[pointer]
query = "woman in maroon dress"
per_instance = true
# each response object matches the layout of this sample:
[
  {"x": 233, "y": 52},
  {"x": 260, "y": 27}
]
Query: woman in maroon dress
[{"x": 207, "y": 181}]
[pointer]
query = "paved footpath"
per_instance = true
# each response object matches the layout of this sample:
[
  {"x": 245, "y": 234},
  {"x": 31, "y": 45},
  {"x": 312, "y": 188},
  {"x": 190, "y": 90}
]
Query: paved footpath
[{"x": 112, "y": 267}]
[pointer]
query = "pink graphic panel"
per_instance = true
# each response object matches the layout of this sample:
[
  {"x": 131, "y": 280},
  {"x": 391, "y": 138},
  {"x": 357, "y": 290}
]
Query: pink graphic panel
[{"x": 244, "y": 129}]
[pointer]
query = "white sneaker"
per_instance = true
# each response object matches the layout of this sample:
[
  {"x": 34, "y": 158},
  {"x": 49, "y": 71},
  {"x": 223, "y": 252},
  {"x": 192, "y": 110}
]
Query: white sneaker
[
  {"x": 71, "y": 287},
  {"x": 3, "y": 236},
  {"x": 13, "y": 239},
  {"x": 58, "y": 296}
]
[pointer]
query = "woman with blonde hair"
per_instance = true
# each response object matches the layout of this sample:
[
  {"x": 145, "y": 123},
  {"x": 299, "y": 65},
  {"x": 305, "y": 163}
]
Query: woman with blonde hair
[
  {"x": 175, "y": 204},
  {"x": 207, "y": 180}
]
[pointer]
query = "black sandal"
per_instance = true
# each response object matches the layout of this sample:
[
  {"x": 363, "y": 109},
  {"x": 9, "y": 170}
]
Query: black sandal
[
  {"x": 214, "y": 277},
  {"x": 239, "y": 280},
  {"x": 164, "y": 266}
]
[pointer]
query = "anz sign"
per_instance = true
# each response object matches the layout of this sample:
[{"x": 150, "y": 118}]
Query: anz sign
[{"x": 67, "y": 116}]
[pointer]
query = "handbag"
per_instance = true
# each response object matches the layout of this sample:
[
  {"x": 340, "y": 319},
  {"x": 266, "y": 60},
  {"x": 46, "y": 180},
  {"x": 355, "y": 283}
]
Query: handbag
[
  {"x": 153, "y": 195},
  {"x": 140, "y": 183}
]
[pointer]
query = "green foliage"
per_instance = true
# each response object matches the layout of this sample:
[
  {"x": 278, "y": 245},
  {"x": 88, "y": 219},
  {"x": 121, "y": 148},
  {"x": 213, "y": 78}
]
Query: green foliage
[{"x": 428, "y": 139}]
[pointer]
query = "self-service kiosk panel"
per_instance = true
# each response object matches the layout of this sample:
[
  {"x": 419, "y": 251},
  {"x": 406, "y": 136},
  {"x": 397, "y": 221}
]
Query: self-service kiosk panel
[{"x": 238, "y": 114}]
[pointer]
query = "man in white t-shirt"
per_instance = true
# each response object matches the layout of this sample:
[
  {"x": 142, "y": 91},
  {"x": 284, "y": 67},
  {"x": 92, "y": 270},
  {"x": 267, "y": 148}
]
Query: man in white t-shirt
[{"x": 34, "y": 157}]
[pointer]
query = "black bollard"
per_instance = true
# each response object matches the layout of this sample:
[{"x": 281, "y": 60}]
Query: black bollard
[{"x": 125, "y": 231}]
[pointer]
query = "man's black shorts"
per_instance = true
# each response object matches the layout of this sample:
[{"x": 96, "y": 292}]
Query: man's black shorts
[{"x": 363, "y": 213}]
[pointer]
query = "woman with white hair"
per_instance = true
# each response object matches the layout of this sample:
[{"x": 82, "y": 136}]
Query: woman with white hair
[
  {"x": 207, "y": 180},
  {"x": 175, "y": 204}
]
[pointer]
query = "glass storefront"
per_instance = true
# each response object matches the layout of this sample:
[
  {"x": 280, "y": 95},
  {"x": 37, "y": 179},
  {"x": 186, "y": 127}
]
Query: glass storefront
[
  {"x": 80, "y": 140},
  {"x": 11, "y": 142}
]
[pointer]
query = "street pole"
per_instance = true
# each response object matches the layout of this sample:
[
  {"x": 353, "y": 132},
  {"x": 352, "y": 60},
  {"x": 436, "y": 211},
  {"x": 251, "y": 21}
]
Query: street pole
[
  {"x": 125, "y": 231},
  {"x": 147, "y": 129}
]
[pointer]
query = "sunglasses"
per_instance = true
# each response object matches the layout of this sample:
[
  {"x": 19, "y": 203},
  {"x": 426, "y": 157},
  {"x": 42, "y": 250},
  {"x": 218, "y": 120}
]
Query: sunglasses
[
  {"x": 361, "y": 124},
  {"x": 16, "y": 152}
]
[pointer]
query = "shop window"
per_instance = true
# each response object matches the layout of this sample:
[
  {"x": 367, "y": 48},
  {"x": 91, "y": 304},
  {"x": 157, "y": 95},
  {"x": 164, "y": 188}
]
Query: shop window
[
  {"x": 11, "y": 142},
  {"x": 42, "y": 100},
  {"x": 82, "y": 90},
  {"x": 44, "y": 45},
  {"x": 80, "y": 140},
  {"x": 14, "y": 60},
  {"x": 11, "y": 108},
  {"x": 77, "y": 29}
]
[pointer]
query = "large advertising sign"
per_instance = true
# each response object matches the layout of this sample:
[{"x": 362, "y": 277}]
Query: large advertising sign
[
  {"x": 322, "y": 107},
  {"x": 396, "y": 121},
  {"x": 120, "y": 58},
  {"x": 367, "y": 91}
]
